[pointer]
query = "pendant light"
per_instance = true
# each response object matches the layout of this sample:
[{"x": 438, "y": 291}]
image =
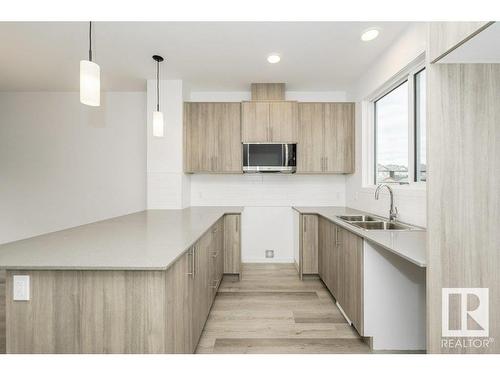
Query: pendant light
[
  {"x": 157, "y": 115},
  {"x": 90, "y": 80}
]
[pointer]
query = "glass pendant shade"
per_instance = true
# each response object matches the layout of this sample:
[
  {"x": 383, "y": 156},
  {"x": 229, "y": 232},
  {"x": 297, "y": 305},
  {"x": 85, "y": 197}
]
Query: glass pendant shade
[
  {"x": 157, "y": 124},
  {"x": 90, "y": 83}
]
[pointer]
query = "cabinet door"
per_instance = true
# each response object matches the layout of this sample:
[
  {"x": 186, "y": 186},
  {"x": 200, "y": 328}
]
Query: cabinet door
[
  {"x": 310, "y": 138},
  {"x": 255, "y": 122},
  {"x": 232, "y": 244},
  {"x": 201, "y": 121},
  {"x": 216, "y": 259},
  {"x": 229, "y": 138},
  {"x": 335, "y": 265},
  {"x": 351, "y": 262},
  {"x": 339, "y": 138},
  {"x": 309, "y": 246},
  {"x": 201, "y": 286},
  {"x": 325, "y": 242},
  {"x": 283, "y": 122},
  {"x": 179, "y": 305}
]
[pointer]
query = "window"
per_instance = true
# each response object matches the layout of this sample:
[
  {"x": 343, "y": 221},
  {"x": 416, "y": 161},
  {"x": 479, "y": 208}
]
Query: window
[
  {"x": 399, "y": 139},
  {"x": 391, "y": 136}
]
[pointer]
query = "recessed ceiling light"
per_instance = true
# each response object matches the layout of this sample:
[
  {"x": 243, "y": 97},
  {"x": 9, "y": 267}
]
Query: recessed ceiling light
[
  {"x": 273, "y": 59},
  {"x": 369, "y": 34}
]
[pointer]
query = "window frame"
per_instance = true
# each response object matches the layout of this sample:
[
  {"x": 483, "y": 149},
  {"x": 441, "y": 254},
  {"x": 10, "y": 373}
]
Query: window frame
[
  {"x": 417, "y": 144},
  {"x": 369, "y": 126}
]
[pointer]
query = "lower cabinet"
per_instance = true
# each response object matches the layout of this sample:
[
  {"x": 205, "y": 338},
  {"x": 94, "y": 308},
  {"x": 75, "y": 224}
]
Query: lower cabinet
[
  {"x": 200, "y": 295},
  {"x": 232, "y": 244},
  {"x": 216, "y": 259},
  {"x": 208, "y": 265},
  {"x": 180, "y": 284},
  {"x": 340, "y": 265},
  {"x": 308, "y": 244}
]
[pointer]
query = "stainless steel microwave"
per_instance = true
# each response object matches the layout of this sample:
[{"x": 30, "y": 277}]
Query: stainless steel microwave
[{"x": 269, "y": 157}]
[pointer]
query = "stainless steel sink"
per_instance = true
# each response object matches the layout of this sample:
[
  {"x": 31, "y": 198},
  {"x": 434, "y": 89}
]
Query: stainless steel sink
[
  {"x": 358, "y": 218},
  {"x": 380, "y": 225},
  {"x": 368, "y": 222}
]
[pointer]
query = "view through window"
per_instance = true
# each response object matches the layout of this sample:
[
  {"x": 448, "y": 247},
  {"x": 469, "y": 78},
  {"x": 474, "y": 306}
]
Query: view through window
[
  {"x": 391, "y": 136},
  {"x": 400, "y": 137}
]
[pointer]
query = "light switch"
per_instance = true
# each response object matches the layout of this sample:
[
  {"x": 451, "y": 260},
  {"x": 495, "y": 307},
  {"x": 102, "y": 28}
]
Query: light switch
[{"x": 21, "y": 285}]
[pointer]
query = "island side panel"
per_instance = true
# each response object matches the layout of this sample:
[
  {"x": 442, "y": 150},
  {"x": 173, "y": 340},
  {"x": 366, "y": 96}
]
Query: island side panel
[
  {"x": 89, "y": 312},
  {"x": 2, "y": 312}
]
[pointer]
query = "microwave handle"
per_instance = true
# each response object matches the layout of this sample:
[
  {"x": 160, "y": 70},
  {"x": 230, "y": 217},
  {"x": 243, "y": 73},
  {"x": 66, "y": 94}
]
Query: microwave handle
[{"x": 286, "y": 155}]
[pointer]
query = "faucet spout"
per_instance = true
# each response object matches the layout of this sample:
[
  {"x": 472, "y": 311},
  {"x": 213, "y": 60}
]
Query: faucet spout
[{"x": 393, "y": 211}]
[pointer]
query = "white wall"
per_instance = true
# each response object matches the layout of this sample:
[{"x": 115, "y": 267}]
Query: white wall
[
  {"x": 63, "y": 164},
  {"x": 167, "y": 185},
  {"x": 267, "y": 221},
  {"x": 411, "y": 203}
]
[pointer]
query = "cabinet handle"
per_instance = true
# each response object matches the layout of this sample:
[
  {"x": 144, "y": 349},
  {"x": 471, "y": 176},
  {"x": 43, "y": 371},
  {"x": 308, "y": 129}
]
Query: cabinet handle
[
  {"x": 337, "y": 243},
  {"x": 215, "y": 254},
  {"x": 305, "y": 223},
  {"x": 237, "y": 224},
  {"x": 194, "y": 260},
  {"x": 191, "y": 253},
  {"x": 326, "y": 163}
]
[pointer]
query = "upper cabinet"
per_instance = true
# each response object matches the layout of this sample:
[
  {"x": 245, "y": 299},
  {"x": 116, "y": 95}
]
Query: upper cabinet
[
  {"x": 212, "y": 137},
  {"x": 445, "y": 37},
  {"x": 273, "y": 122},
  {"x": 326, "y": 138}
]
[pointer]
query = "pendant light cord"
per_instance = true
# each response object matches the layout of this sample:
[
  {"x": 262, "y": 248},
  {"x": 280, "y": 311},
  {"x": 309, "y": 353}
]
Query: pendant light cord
[
  {"x": 90, "y": 41},
  {"x": 158, "y": 86}
]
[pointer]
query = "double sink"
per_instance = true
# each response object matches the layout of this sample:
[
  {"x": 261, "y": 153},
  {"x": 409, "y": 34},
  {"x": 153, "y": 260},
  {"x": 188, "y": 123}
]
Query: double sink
[{"x": 367, "y": 222}]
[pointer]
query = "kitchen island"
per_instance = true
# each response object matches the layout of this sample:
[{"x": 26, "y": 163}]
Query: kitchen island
[{"x": 139, "y": 283}]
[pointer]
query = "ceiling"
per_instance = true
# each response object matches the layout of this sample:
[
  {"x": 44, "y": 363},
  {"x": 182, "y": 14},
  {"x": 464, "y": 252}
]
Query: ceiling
[{"x": 209, "y": 56}]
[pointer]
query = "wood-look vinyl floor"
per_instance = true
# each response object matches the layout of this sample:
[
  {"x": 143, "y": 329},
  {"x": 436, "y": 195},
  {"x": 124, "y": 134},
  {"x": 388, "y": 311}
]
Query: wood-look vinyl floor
[{"x": 270, "y": 310}]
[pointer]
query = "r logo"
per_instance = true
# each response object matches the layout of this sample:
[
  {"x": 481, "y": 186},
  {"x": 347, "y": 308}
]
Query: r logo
[{"x": 469, "y": 312}]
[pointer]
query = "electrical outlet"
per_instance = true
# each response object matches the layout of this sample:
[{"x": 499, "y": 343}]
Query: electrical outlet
[
  {"x": 269, "y": 253},
  {"x": 21, "y": 287}
]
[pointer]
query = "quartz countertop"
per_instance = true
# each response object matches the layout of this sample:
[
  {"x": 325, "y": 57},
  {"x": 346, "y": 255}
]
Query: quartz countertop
[
  {"x": 409, "y": 245},
  {"x": 146, "y": 240}
]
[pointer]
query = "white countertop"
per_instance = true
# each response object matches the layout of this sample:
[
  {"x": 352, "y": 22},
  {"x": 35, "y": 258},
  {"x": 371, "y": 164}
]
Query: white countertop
[
  {"x": 146, "y": 240},
  {"x": 409, "y": 245}
]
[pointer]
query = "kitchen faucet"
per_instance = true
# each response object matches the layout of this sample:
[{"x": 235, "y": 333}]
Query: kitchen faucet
[{"x": 393, "y": 211}]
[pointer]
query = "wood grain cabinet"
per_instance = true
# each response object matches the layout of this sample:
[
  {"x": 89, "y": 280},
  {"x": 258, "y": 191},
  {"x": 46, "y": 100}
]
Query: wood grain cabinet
[
  {"x": 201, "y": 287},
  {"x": 216, "y": 265},
  {"x": 447, "y": 36},
  {"x": 325, "y": 138},
  {"x": 308, "y": 248},
  {"x": 328, "y": 255},
  {"x": 340, "y": 266},
  {"x": 2, "y": 312},
  {"x": 212, "y": 137},
  {"x": 350, "y": 277},
  {"x": 179, "y": 281},
  {"x": 273, "y": 122},
  {"x": 232, "y": 244}
]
